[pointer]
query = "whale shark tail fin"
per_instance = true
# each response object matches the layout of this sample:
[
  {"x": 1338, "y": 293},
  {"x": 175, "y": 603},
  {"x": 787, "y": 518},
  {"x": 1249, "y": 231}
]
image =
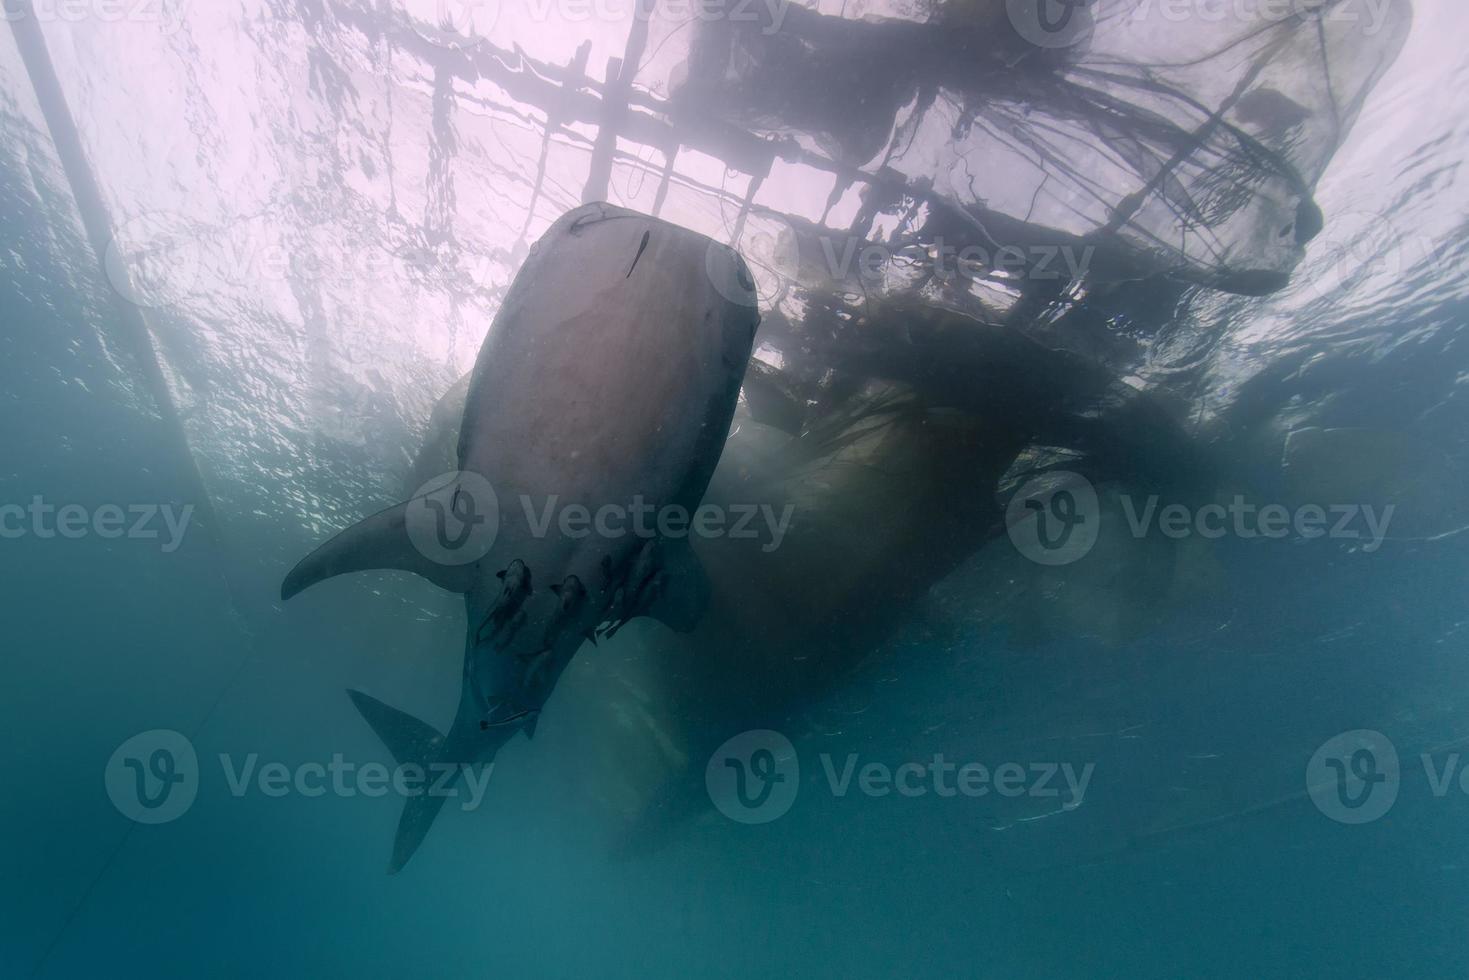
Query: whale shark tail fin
[
  {"x": 409, "y": 739},
  {"x": 417, "y": 743},
  {"x": 438, "y": 534}
]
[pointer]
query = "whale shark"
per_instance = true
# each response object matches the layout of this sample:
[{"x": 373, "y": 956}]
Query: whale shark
[
  {"x": 606, "y": 385},
  {"x": 896, "y": 485}
]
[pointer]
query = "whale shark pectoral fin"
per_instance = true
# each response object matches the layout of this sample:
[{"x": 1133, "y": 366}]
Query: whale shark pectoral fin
[
  {"x": 684, "y": 594},
  {"x": 380, "y": 541}
]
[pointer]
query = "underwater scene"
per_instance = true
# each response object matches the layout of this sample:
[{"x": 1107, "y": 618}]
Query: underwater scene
[{"x": 734, "y": 488}]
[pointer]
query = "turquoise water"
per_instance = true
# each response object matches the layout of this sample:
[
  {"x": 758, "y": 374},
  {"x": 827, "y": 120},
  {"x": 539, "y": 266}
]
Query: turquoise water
[{"x": 1202, "y": 846}]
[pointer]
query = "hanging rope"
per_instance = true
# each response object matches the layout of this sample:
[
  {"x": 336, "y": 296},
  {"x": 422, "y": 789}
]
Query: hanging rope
[{"x": 133, "y": 328}]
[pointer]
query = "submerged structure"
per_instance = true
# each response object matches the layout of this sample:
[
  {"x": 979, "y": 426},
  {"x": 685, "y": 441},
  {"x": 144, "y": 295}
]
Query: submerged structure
[
  {"x": 1070, "y": 185},
  {"x": 972, "y": 231}
]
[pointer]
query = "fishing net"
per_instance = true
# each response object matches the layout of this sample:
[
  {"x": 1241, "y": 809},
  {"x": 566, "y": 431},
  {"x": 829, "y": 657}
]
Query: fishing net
[
  {"x": 318, "y": 204},
  {"x": 286, "y": 226}
]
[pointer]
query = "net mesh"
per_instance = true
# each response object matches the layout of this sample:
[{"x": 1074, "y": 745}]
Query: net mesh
[{"x": 319, "y": 203}]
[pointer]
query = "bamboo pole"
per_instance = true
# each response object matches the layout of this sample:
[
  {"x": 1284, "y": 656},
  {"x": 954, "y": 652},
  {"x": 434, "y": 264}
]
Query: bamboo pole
[{"x": 133, "y": 329}]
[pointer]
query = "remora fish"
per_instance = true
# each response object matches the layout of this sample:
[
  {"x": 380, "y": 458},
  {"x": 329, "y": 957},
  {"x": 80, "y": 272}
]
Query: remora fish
[{"x": 608, "y": 380}]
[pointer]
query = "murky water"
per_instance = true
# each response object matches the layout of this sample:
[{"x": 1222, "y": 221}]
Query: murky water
[{"x": 913, "y": 739}]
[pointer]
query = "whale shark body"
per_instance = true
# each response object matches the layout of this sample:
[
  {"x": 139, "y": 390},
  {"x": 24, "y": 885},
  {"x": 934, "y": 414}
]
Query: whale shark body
[{"x": 606, "y": 385}]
